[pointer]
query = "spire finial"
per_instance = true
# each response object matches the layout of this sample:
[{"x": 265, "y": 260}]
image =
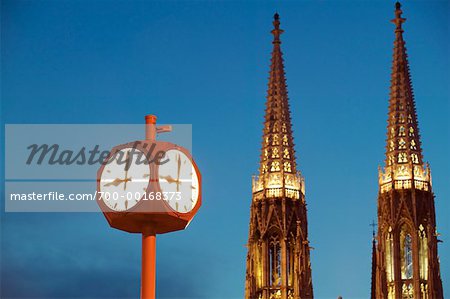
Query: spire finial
[
  {"x": 398, "y": 21},
  {"x": 374, "y": 264},
  {"x": 276, "y": 31},
  {"x": 373, "y": 225}
]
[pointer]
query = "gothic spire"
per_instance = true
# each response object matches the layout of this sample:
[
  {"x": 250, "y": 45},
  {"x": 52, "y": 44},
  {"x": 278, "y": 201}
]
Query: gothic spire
[
  {"x": 278, "y": 147},
  {"x": 403, "y": 140},
  {"x": 374, "y": 272},
  {"x": 406, "y": 257},
  {"x": 374, "y": 263},
  {"x": 278, "y": 260}
]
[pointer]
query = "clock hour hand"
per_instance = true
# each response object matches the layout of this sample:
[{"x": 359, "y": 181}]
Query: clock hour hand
[
  {"x": 169, "y": 179},
  {"x": 117, "y": 182}
]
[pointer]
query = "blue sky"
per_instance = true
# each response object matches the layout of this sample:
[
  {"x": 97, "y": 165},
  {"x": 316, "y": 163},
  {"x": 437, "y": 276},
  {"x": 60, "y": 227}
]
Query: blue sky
[{"x": 206, "y": 63}]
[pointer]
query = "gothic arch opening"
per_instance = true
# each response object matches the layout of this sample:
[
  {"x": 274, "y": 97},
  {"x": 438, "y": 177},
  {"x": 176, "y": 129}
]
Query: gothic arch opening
[
  {"x": 389, "y": 260},
  {"x": 274, "y": 259},
  {"x": 423, "y": 253},
  {"x": 423, "y": 261},
  {"x": 406, "y": 261}
]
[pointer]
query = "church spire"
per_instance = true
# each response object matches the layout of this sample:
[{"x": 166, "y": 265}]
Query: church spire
[
  {"x": 403, "y": 141},
  {"x": 404, "y": 161},
  {"x": 278, "y": 258},
  {"x": 277, "y": 165},
  {"x": 374, "y": 263},
  {"x": 374, "y": 271},
  {"x": 406, "y": 247}
]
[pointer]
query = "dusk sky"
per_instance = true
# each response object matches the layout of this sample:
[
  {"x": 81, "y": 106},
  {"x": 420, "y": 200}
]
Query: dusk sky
[{"x": 206, "y": 63}]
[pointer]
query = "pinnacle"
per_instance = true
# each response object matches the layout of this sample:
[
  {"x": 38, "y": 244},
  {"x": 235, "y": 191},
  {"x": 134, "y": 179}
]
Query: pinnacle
[
  {"x": 278, "y": 146},
  {"x": 403, "y": 139}
]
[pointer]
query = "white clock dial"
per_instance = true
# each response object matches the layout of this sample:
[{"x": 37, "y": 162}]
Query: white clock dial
[
  {"x": 123, "y": 186},
  {"x": 179, "y": 181}
]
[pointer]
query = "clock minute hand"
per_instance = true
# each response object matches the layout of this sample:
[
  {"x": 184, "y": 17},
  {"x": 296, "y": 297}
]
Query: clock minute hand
[
  {"x": 178, "y": 173},
  {"x": 127, "y": 166}
]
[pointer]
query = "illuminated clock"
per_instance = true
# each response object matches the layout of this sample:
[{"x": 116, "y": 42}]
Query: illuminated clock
[
  {"x": 149, "y": 187},
  {"x": 179, "y": 181},
  {"x": 160, "y": 190},
  {"x": 124, "y": 180}
]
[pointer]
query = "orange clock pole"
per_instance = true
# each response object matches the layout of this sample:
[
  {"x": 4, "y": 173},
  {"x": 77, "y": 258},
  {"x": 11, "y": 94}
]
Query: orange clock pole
[
  {"x": 148, "y": 275},
  {"x": 147, "y": 222}
]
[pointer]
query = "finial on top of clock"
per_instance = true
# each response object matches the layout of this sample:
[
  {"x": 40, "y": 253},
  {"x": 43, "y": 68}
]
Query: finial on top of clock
[
  {"x": 150, "y": 119},
  {"x": 150, "y": 127}
]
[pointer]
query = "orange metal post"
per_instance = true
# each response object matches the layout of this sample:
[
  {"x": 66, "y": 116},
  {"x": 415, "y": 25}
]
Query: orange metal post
[
  {"x": 148, "y": 275},
  {"x": 150, "y": 127}
]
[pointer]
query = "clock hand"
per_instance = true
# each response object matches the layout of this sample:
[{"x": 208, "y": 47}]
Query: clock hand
[
  {"x": 127, "y": 166},
  {"x": 178, "y": 173},
  {"x": 117, "y": 182},
  {"x": 169, "y": 179},
  {"x": 179, "y": 167}
]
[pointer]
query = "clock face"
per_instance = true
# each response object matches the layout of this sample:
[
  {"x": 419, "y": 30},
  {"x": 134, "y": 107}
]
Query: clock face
[
  {"x": 179, "y": 181},
  {"x": 123, "y": 180}
]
